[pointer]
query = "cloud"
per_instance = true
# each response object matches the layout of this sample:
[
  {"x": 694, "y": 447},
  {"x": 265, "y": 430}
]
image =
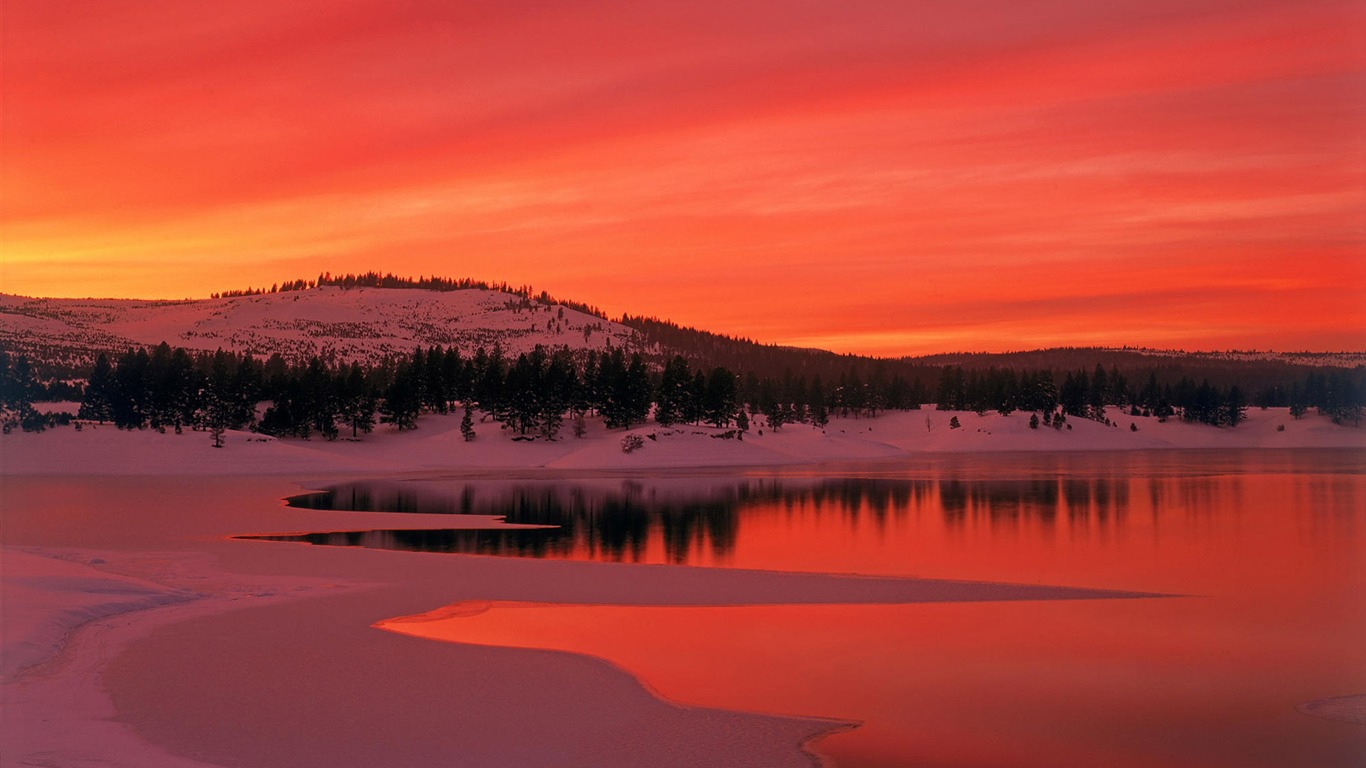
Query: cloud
[{"x": 737, "y": 160}]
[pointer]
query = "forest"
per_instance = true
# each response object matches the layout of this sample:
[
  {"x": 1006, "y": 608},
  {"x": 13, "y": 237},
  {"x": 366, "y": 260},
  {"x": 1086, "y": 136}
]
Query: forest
[{"x": 536, "y": 393}]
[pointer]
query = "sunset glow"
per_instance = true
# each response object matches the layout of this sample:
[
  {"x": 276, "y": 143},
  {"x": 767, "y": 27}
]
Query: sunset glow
[{"x": 876, "y": 177}]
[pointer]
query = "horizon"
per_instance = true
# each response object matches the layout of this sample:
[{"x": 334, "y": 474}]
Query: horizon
[
  {"x": 892, "y": 181},
  {"x": 570, "y": 302}
]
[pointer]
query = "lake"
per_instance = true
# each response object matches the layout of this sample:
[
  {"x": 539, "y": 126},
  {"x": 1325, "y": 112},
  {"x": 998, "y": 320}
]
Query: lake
[{"x": 1259, "y": 555}]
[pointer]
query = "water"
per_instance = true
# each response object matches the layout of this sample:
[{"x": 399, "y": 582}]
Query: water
[{"x": 1262, "y": 550}]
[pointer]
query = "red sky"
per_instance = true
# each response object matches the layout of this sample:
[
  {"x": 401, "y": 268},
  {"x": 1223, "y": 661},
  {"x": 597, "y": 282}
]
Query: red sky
[{"x": 888, "y": 177}]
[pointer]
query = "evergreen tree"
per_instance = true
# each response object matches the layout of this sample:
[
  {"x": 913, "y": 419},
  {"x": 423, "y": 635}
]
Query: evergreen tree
[
  {"x": 402, "y": 400},
  {"x": 467, "y": 425},
  {"x": 637, "y": 391},
  {"x": 18, "y": 387},
  {"x": 588, "y": 394},
  {"x": 952, "y": 393},
  {"x": 672, "y": 397},
  {"x": 356, "y": 401},
  {"x": 1235, "y": 407},
  {"x": 697, "y": 393},
  {"x": 131, "y": 399},
  {"x": 1342, "y": 400},
  {"x": 99, "y": 392},
  {"x": 625, "y": 389},
  {"x": 490, "y": 371},
  {"x": 1151, "y": 394},
  {"x": 320, "y": 399},
  {"x": 718, "y": 407},
  {"x": 288, "y": 413},
  {"x": 247, "y": 384},
  {"x": 816, "y": 404},
  {"x": 454, "y": 377},
  {"x": 1098, "y": 395},
  {"x": 1204, "y": 405},
  {"x": 1074, "y": 395},
  {"x": 435, "y": 387},
  {"x": 560, "y": 390},
  {"x": 217, "y": 413}
]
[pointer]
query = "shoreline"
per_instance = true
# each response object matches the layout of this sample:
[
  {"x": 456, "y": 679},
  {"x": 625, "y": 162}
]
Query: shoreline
[
  {"x": 437, "y": 446},
  {"x": 91, "y": 685},
  {"x": 150, "y": 516},
  {"x": 158, "y": 685}
]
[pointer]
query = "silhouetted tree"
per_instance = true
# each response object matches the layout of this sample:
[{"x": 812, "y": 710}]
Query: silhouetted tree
[
  {"x": 99, "y": 392},
  {"x": 719, "y": 404}
]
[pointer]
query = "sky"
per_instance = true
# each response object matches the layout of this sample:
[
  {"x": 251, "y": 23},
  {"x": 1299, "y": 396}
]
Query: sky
[{"x": 884, "y": 177}]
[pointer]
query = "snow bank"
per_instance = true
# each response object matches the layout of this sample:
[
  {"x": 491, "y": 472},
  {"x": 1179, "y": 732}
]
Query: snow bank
[
  {"x": 438, "y": 445},
  {"x": 46, "y": 598}
]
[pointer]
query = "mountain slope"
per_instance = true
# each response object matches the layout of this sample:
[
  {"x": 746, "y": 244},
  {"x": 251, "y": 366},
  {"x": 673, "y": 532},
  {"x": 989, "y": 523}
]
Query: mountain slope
[
  {"x": 357, "y": 324},
  {"x": 365, "y": 324}
]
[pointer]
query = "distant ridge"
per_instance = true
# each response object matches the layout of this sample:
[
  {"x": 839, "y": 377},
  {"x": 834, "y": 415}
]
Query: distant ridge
[
  {"x": 1064, "y": 357},
  {"x": 373, "y": 317}
]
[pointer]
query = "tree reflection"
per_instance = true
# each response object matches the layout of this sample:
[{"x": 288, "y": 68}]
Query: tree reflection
[{"x": 687, "y": 522}]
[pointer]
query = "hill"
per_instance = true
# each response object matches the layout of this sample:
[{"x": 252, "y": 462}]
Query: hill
[
  {"x": 376, "y": 318},
  {"x": 364, "y": 325}
]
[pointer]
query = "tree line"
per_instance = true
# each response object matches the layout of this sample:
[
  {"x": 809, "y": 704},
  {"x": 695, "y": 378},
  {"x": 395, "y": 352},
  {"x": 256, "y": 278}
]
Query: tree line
[
  {"x": 389, "y": 280},
  {"x": 20, "y": 388},
  {"x": 534, "y": 394},
  {"x": 1337, "y": 395}
]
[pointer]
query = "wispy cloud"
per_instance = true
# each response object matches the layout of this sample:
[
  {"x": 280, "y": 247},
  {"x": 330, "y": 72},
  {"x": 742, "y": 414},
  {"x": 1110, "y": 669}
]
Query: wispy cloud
[{"x": 790, "y": 173}]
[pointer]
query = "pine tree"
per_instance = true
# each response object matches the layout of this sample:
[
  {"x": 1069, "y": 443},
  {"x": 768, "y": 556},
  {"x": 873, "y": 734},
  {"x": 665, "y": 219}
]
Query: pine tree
[
  {"x": 1235, "y": 407},
  {"x": 560, "y": 390},
  {"x": 488, "y": 384},
  {"x": 320, "y": 402},
  {"x": 99, "y": 391},
  {"x": 1074, "y": 395},
  {"x": 607, "y": 388},
  {"x": 719, "y": 404},
  {"x": 697, "y": 394},
  {"x": 356, "y": 401},
  {"x": 672, "y": 397},
  {"x": 636, "y": 391},
  {"x": 402, "y": 400},
  {"x": 952, "y": 393},
  {"x": 467, "y": 425},
  {"x": 816, "y": 404},
  {"x": 130, "y": 401}
]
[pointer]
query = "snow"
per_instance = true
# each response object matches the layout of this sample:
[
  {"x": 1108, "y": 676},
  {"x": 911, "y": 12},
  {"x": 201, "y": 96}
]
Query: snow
[
  {"x": 438, "y": 445},
  {"x": 46, "y": 598},
  {"x": 361, "y": 324}
]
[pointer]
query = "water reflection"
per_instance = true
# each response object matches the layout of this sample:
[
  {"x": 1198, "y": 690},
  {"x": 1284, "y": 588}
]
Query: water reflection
[
  {"x": 701, "y": 521},
  {"x": 1269, "y": 545}
]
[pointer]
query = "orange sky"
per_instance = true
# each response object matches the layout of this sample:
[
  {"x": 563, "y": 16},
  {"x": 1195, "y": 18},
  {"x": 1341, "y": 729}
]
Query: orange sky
[{"x": 888, "y": 177}]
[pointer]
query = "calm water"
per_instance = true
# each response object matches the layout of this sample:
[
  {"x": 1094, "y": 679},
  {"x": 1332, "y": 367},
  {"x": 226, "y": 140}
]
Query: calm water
[{"x": 1264, "y": 549}]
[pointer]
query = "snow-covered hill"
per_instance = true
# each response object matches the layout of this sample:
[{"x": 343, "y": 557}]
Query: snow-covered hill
[{"x": 361, "y": 324}]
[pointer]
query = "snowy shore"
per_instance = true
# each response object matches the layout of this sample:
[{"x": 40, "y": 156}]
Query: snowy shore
[
  {"x": 137, "y": 633},
  {"x": 438, "y": 445}
]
